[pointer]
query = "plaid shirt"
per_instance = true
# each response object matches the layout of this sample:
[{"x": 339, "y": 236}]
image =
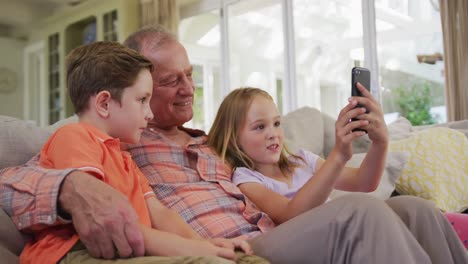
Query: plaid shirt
[
  {"x": 28, "y": 194},
  {"x": 191, "y": 180}
]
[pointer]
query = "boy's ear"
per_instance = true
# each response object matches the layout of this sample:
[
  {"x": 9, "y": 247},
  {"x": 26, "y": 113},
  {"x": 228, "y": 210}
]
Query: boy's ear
[{"x": 101, "y": 103}]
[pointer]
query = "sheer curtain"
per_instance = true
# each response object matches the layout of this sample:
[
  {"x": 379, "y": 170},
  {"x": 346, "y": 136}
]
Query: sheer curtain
[
  {"x": 163, "y": 12},
  {"x": 454, "y": 16}
]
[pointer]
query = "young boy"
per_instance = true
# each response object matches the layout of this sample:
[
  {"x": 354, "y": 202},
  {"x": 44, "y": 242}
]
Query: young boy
[{"x": 110, "y": 87}]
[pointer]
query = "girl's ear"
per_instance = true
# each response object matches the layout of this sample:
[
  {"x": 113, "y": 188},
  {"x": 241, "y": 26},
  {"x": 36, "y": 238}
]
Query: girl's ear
[{"x": 101, "y": 103}]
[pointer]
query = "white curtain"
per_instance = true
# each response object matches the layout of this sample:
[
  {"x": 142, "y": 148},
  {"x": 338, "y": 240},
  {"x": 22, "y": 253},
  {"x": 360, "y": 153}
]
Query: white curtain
[
  {"x": 454, "y": 15},
  {"x": 163, "y": 12}
]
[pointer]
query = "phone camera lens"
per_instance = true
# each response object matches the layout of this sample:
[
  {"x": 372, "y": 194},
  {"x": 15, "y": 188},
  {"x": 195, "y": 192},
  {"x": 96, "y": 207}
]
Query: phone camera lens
[{"x": 358, "y": 71}]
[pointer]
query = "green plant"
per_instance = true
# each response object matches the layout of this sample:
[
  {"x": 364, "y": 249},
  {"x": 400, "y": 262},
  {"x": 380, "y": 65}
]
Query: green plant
[
  {"x": 415, "y": 103},
  {"x": 198, "y": 115}
]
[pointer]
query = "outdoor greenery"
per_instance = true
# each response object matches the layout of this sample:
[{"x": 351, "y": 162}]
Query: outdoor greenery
[
  {"x": 198, "y": 115},
  {"x": 198, "y": 112},
  {"x": 415, "y": 103}
]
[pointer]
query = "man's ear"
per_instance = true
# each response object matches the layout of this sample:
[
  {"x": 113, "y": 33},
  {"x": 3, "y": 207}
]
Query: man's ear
[{"x": 101, "y": 103}]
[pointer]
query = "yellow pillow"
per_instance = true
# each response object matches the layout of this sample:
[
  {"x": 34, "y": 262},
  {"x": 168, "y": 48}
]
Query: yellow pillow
[{"x": 437, "y": 169}]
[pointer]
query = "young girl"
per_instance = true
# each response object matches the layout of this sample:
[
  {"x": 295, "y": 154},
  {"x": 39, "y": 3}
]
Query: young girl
[{"x": 247, "y": 134}]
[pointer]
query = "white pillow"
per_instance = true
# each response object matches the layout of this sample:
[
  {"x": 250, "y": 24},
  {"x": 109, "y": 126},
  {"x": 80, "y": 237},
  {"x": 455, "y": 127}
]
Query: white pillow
[
  {"x": 399, "y": 129},
  {"x": 393, "y": 169}
]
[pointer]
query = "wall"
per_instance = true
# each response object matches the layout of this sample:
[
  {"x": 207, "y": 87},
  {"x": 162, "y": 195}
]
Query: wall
[{"x": 11, "y": 57}]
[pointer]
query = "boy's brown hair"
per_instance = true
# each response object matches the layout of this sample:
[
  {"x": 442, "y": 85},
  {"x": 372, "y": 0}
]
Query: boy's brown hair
[{"x": 100, "y": 66}]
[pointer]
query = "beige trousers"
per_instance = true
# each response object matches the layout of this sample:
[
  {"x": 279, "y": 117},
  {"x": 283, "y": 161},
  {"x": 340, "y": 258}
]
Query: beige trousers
[
  {"x": 358, "y": 228},
  {"x": 79, "y": 254}
]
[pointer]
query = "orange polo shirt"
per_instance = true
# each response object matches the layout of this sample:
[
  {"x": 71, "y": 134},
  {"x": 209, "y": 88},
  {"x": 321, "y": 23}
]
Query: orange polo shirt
[{"x": 88, "y": 149}]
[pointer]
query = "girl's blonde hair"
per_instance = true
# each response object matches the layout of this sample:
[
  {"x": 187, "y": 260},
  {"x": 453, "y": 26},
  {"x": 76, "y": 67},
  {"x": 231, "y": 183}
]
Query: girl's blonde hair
[{"x": 223, "y": 135}]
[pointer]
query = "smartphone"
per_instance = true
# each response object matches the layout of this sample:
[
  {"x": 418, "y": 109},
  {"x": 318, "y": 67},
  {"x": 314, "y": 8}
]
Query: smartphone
[{"x": 361, "y": 75}]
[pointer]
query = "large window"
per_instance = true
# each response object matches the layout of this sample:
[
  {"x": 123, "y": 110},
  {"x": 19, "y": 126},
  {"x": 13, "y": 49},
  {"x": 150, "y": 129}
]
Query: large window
[
  {"x": 256, "y": 45},
  {"x": 328, "y": 42},
  {"x": 409, "y": 36},
  {"x": 302, "y": 52},
  {"x": 200, "y": 35}
]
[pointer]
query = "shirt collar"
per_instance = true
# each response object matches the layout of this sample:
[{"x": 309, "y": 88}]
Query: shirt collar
[
  {"x": 101, "y": 135},
  {"x": 197, "y": 136}
]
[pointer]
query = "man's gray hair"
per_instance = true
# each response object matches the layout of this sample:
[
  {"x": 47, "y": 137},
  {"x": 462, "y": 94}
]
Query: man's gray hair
[{"x": 151, "y": 36}]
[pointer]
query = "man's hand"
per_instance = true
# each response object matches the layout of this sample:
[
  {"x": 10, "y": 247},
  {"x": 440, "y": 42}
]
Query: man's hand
[{"x": 103, "y": 217}]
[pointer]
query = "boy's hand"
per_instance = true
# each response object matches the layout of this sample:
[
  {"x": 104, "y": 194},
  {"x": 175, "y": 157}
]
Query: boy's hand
[
  {"x": 233, "y": 243},
  {"x": 195, "y": 247}
]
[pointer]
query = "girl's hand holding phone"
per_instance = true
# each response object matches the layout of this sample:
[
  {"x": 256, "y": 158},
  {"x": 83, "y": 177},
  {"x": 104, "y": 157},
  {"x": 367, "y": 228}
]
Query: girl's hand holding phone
[
  {"x": 375, "y": 127},
  {"x": 345, "y": 131}
]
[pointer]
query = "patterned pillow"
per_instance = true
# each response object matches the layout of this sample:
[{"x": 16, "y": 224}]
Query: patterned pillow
[{"x": 437, "y": 169}]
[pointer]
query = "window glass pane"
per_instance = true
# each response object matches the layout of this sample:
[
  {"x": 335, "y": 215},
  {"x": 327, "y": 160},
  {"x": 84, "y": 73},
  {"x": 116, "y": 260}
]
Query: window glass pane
[
  {"x": 328, "y": 41},
  {"x": 198, "y": 111},
  {"x": 256, "y": 50},
  {"x": 410, "y": 48},
  {"x": 201, "y": 37}
]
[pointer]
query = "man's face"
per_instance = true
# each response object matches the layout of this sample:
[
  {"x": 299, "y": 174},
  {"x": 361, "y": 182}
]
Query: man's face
[{"x": 172, "y": 101}]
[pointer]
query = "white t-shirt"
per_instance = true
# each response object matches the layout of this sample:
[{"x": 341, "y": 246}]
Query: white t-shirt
[{"x": 301, "y": 175}]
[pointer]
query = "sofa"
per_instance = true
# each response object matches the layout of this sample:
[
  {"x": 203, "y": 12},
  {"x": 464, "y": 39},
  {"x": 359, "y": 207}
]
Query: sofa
[{"x": 305, "y": 128}]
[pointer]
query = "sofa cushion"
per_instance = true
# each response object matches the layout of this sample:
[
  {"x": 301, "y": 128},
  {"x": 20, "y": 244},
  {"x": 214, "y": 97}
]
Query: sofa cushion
[
  {"x": 303, "y": 129},
  {"x": 60, "y": 123},
  {"x": 328, "y": 134},
  {"x": 437, "y": 169},
  {"x": 460, "y": 225},
  {"x": 19, "y": 141},
  {"x": 11, "y": 240},
  {"x": 399, "y": 129},
  {"x": 461, "y": 126}
]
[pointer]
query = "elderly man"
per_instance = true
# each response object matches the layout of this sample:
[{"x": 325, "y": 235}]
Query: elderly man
[{"x": 188, "y": 177}]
